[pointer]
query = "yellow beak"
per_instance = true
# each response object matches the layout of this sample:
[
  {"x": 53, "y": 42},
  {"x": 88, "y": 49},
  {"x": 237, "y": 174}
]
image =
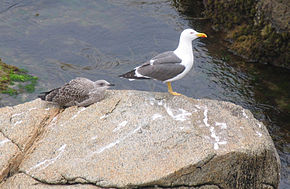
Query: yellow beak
[{"x": 201, "y": 35}]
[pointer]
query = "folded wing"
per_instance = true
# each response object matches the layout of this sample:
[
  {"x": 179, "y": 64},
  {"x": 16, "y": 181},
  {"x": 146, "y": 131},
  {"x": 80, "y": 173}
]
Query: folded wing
[{"x": 162, "y": 67}]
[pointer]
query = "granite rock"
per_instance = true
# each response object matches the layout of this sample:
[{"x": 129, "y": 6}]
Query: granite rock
[{"x": 137, "y": 139}]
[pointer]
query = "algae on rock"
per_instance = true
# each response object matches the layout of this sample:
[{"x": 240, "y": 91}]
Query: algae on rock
[
  {"x": 252, "y": 29},
  {"x": 14, "y": 80}
]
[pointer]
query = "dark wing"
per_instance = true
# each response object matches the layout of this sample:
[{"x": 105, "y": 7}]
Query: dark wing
[
  {"x": 162, "y": 71},
  {"x": 162, "y": 67},
  {"x": 166, "y": 58}
]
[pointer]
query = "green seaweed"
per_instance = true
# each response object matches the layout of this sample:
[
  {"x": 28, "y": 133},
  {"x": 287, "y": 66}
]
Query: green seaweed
[
  {"x": 14, "y": 80},
  {"x": 21, "y": 77},
  {"x": 4, "y": 78},
  {"x": 28, "y": 87},
  {"x": 10, "y": 91}
]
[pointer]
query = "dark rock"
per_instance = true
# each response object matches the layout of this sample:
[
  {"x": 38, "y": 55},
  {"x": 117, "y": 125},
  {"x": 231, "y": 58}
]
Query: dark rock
[{"x": 259, "y": 30}]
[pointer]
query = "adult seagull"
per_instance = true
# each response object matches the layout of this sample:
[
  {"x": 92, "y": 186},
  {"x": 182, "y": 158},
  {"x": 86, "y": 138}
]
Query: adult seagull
[{"x": 171, "y": 65}]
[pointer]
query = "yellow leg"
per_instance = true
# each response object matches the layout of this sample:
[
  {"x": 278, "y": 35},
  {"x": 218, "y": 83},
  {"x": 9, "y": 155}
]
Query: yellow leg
[{"x": 171, "y": 91}]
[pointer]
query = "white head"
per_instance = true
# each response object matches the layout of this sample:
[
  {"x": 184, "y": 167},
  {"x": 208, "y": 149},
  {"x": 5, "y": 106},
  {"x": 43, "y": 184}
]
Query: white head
[
  {"x": 103, "y": 84},
  {"x": 190, "y": 34}
]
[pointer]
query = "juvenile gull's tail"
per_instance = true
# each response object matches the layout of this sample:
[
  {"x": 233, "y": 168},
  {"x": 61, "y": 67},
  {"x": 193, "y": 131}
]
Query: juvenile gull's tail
[{"x": 48, "y": 96}]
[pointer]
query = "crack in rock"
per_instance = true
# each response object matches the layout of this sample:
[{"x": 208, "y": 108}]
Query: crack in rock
[
  {"x": 18, "y": 158},
  {"x": 111, "y": 111},
  {"x": 63, "y": 181},
  {"x": 211, "y": 185},
  {"x": 12, "y": 141},
  {"x": 83, "y": 181}
]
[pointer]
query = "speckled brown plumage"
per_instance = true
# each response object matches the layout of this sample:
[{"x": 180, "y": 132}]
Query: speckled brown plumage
[{"x": 79, "y": 91}]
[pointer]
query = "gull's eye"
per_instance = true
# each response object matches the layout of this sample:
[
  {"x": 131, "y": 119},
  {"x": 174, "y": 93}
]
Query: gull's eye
[
  {"x": 102, "y": 84},
  {"x": 191, "y": 32}
]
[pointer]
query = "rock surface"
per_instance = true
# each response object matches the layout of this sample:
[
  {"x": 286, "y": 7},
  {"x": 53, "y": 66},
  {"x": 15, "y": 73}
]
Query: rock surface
[{"x": 136, "y": 139}]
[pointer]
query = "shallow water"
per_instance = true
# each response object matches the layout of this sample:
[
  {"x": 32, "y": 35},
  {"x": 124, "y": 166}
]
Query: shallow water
[{"x": 58, "y": 40}]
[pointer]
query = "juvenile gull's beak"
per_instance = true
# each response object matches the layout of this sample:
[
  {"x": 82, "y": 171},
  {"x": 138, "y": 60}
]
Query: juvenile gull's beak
[
  {"x": 201, "y": 35},
  {"x": 111, "y": 84}
]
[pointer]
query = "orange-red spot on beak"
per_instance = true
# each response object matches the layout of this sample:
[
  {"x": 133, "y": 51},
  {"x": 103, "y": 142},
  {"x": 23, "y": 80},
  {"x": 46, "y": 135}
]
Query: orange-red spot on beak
[{"x": 201, "y": 35}]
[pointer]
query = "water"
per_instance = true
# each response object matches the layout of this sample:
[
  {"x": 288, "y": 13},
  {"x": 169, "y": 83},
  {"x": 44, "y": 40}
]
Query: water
[{"x": 58, "y": 40}]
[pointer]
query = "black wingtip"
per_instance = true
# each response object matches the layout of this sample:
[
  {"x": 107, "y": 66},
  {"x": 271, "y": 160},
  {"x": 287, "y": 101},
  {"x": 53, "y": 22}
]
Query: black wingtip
[
  {"x": 122, "y": 76},
  {"x": 128, "y": 75},
  {"x": 131, "y": 75}
]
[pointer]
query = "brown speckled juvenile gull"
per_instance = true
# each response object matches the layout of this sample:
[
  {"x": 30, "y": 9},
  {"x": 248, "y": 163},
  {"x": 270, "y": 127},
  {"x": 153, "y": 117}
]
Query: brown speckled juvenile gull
[{"x": 78, "y": 92}]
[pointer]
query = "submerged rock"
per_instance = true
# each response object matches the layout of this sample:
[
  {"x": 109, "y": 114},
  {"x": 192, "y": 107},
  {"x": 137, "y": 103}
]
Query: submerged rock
[{"x": 136, "y": 139}]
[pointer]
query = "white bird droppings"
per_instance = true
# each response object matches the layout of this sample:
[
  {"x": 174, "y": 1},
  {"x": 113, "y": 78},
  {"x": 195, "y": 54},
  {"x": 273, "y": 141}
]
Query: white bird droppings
[
  {"x": 103, "y": 116},
  {"x": 82, "y": 109},
  {"x": 205, "y": 119},
  {"x": 122, "y": 124},
  {"x": 48, "y": 162},
  {"x": 153, "y": 101},
  {"x": 216, "y": 146},
  {"x": 178, "y": 115},
  {"x": 222, "y": 142},
  {"x": 156, "y": 116},
  {"x": 94, "y": 137},
  {"x": 31, "y": 109},
  {"x": 17, "y": 122},
  {"x": 4, "y": 141},
  {"x": 18, "y": 114},
  {"x": 244, "y": 114},
  {"x": 213, "y": 135},
  {"x": 108, "y": 146},
  {"x": 112, "y": 144},
  {"x": 223, "y": 125},
  {"x": 258, "y": 134}
]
